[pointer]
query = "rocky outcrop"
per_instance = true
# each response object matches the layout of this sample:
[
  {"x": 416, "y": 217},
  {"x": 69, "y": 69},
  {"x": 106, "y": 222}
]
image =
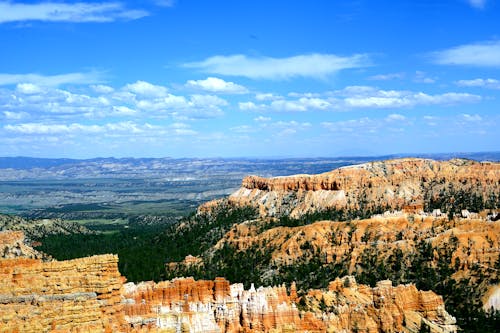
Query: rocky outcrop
[
  {"x": 385, "y": 185},
  {"x": 13, "y": 245},
  {"x": 216, "y": 306},
  {"x": 36, "y": 229},
  {"x": 81, "y": 295}
]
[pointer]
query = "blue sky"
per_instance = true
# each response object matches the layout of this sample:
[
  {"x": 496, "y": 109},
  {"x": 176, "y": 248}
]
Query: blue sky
[{"x": 295, "y": 78}]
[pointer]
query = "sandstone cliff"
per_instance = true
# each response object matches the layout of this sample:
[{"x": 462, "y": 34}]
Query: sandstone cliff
[
  {"x": 81, "y": 295},
  {"x": 374, "y": 186}
]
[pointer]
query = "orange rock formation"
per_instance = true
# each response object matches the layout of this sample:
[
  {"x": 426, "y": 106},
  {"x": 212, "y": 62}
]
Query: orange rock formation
[
  {"x": 89, "y": 295},
  {"x": 217, "y": 306},
  {"x": 81, "y": 295},
  {"x": 391, "y": 184}
]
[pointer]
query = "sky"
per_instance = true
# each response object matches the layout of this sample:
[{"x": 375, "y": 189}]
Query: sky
[{"x": 186, "y": 78}]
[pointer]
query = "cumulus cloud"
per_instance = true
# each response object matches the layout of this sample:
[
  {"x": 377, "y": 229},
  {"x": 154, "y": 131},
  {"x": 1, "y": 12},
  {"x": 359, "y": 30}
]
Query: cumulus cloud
[
  {"x": 267, "y": 97},
  {"x": 482, "y": 54},
  {"x": 102, "y": 89},
  {"x": 28, "y": 88},
  {"x": 301, "y": 104},
  {"x": 67, "y": 12},
  {"x": 137, "y": 99},
  {"x": 358, "y": 97},
  {"x": 483, "y": 83},
  {"x": 216, "y": 85},
  {"x": 146, "y": 89},
  {"x": 310, "y": 65},
  {"x": 370, "y": 97}
]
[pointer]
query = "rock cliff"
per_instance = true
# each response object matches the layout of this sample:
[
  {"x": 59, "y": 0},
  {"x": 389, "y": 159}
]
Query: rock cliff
[
  {"x": 75, "y": 295},
  {"x": 374, "y": 186}
]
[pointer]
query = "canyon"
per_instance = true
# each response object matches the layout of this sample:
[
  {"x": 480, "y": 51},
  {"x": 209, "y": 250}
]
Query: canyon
[
  {"x": 405, "y": 245},
  {"x": 90, "y": 295}
]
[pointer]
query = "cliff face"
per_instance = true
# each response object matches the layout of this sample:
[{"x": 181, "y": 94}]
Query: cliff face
[
  {"x": 391, "y": 184},
  {"x": 217, "y": 306},
  {"x": 81, "y": 295}
]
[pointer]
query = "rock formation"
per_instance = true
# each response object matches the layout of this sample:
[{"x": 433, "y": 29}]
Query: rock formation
[
  {"x": 385, "y": 185},
  {"x": 80, "y": 295},
  {"x": 216, "y": 306},
  {"x": 13, "y": 245},
  {"x": 89, "y": 295}
]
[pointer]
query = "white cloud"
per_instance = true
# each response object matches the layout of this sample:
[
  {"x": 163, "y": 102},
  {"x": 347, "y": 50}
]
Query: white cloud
[
  {"x": 302, "y": 104},
  {"x": 369, "y": 97},
  {"x": 51, "y": 80},
  {"x": 395, "y": 117},
  {"x": 262, "y": 119},
  {"x": 357, "y": 97},
  {"x": 102, "y": 89},
  {"x": 15, "y": 115},
  {"x": 243, "y": 129},
  {"x": 484, "y": 83},
  {"x": 421, "y": 77},
  {"x": 67, "y": 12},
  {"x": 471, "y": 117},
  {"x": 387, "y": 77},
  {"x": 28, "y": 88},
  {"x": 482, "y": 54},
  {"x": 267, "y": 97},
  {"x": 249, "y": 106},
  {"x": 216, "y": 85},
  {"x": 311, "y": 65},
  {"x": 75, "y": 128},
  {"x": 146, "y": 89},
  {"x": 123, "y": 110},
  {"x": 362, "y": 125},
  {"x": 479, "y": 4}
]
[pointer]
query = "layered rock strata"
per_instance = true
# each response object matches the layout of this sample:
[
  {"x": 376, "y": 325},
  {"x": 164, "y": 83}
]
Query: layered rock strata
[
  {"x": 81, "y": 295},
  {"x": 391, "y": 184}
]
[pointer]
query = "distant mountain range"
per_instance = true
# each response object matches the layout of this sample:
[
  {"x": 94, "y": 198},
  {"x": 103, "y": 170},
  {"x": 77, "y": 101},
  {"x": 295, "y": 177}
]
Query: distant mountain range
[{"x": 116, "y": 167}]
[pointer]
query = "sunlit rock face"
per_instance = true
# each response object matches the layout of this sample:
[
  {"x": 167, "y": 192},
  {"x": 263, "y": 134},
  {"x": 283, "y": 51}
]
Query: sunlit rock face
[
  {"x": 65, "y": 296},
  {"x": 216, "y": 306},
  {"x": 386, "y": 185}
]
